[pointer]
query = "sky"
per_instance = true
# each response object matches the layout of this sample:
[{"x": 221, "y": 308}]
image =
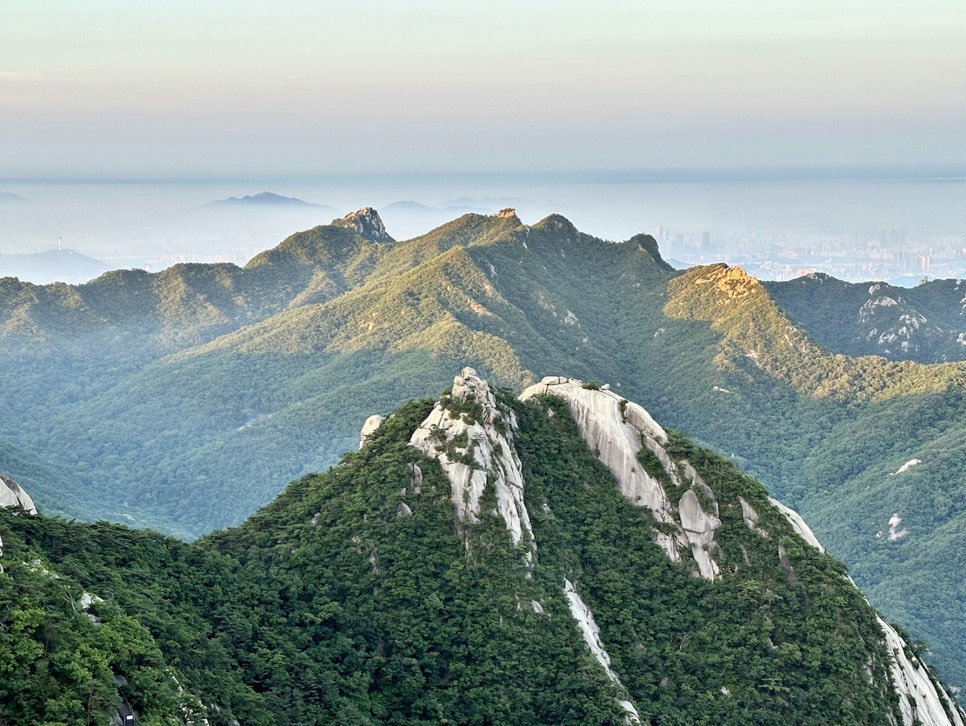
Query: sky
[{"x": 214, "y": 89}]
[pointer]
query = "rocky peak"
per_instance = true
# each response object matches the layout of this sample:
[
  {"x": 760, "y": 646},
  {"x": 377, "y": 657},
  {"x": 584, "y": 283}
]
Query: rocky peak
[
  {"x": 13, "y": 495},
  {"x": 365, "y": 222},
  {"x": 560, "y": 225},
  {"x": 733, "y": 281},
  {"x": 508, "y": 212},
  {"x": 471, "y": 434},
  {"x": 471, "y": 437}
]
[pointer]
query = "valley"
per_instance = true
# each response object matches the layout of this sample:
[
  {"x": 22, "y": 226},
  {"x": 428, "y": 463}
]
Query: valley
[{"x": 185, "y": 400}]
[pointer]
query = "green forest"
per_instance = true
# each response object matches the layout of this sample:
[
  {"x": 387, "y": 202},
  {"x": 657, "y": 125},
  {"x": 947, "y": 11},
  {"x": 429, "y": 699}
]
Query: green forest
[
  {"x": 184, "y": 400},
  {"x": 329, "y": 607}
]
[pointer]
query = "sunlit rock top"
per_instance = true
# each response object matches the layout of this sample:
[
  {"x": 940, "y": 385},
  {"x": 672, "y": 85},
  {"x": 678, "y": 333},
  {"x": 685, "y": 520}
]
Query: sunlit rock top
[{"x": 365, "y": 222}]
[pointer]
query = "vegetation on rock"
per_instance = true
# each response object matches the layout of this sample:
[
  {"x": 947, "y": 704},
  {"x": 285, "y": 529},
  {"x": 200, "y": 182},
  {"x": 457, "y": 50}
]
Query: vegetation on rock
[
  {"x": 185, "y": 400},
  {"x": 336, "y": 605}
]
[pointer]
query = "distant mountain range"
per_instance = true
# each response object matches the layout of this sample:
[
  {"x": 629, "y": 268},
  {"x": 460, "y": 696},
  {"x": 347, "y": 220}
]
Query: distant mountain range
[
  {"x": 264, "y": 199},
  {"x": 51, "y": 266},
  {"x": 184, "y": 400}
]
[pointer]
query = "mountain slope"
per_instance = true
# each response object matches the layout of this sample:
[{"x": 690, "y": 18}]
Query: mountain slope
[
  {"x": 475, "y": 562},
  {"x": 183, "y": 401},
  {"x": 221, "y": 425},
  {"x": 922, "y": 324}
]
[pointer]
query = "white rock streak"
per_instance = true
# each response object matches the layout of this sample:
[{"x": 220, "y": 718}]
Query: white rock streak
[
  {"x": 798, "y": 524},
  {"x": 591, "y": 633},
  {"x": 895, "y": 532},
  {"x": 919, "y": 699},
  {"x": 907, "y": 466}
]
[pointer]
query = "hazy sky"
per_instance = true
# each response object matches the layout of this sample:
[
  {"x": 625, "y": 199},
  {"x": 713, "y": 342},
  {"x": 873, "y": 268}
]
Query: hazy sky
[{"x": 140, "y": 88}]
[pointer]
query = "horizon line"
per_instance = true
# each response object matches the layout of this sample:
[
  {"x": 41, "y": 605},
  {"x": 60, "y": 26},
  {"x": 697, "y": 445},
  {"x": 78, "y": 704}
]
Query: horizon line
[{"x": 818, "y": 173}]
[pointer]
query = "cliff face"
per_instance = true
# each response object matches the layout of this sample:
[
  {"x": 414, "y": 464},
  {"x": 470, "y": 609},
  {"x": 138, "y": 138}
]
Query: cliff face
[
  {"x": 561, "y": 559},
  {"x": 472, "y": 437},
  {"x": 367, "y": 223},
  {"x": 617, "y": 431},
  {"x": 13, "y": 495}
]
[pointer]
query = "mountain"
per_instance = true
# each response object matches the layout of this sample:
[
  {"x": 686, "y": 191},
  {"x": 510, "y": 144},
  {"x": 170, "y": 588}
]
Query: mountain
[
  {"x": 923, "y": 324},
  {"x": 51, "y": 266},
  {"x": 412, "y": 218},
  {"x": 556, "y": 558},
  {"x": 263, "y": 199},
  {"x": 365, "y": 222},
  {"x": 185, "y": 400}
]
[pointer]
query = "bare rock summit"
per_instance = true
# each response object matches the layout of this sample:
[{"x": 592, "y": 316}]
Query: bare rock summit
[{"x": 365, "y": 222}]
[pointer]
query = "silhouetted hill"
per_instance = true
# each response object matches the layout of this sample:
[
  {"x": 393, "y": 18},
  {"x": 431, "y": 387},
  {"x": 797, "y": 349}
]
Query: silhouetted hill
[
  {"x": 51, "y": 266},
  {"x": 264, "y": 199}
]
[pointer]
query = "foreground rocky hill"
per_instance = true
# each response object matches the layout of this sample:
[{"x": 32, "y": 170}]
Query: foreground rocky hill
[
  {"x": 558, "y": 558},
  {"x": 185, "y": 400}
]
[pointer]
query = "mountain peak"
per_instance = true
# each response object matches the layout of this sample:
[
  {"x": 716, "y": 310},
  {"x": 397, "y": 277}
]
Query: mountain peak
[
  {"x": 365, "y": 222},
  {"x": 507, "y": 212},
  {"x": 472, "y": 438},
  {"x": 731, "y": 281},
  {"x": 263, "y": 199},
  {"x": 557, "y": 222}
]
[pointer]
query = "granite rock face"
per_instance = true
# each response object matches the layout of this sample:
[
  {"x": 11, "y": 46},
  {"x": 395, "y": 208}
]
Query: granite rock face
[
  {"x": 617, "y": 430},
  {"x": 472, "y": 437},
  {"x": 370, "y": 426},
  {"x": 367, "y": 223},
  {"x": 13, "y": 495}
]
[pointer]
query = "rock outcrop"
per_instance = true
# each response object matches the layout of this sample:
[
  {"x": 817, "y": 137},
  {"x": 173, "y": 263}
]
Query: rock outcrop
[
  {"x": 471, "y": 437},
  {"x": 365, "y": 222},
  {"x": 370, "y": 426},
  {"x": 617, "y": 431},
  {"x": 13, "y": 495}
]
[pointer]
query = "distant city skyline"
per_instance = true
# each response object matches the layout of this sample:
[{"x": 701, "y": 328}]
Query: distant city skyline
[{"x": 110, "y": 89}]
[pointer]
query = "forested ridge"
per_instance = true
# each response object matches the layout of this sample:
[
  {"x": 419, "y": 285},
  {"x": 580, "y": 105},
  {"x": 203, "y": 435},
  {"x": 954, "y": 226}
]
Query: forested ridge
[
  {"x": 184, "y": 400},
  {"x": 334, "y": 605}
]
